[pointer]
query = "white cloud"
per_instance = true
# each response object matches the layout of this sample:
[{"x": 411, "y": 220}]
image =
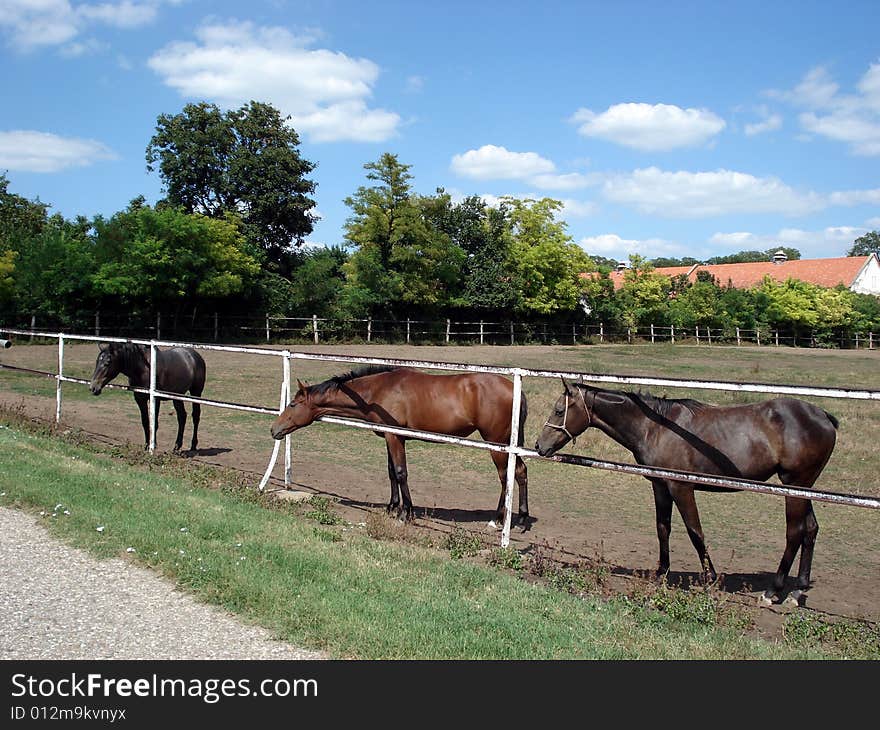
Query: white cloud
[
  {"x": 491, "y": 162},
  {"x": 873, "y": 222},
  {"x": 30, "y": 151},
  {"x": 610, "y": 245},
  {"x": 415, "y": 84},
  {"x": 828, "y": 242},
  {"x": 32, "y": 24},
  {"x": 497, "y": 163},
  {"x": 324, "y": 91},
  {"x": 650, "y": 127},
  {"x": 855, "y": 197},
  {"x": 769, "y": 123},
  {"x": 702, "y": 194},
  {"x": 850, "y": 118}
]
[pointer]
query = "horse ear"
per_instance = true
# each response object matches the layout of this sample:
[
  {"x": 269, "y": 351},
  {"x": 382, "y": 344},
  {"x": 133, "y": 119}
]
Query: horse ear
[
  {"x": 301, "y": 385},
  {"x": 103, "y": 346},
  {"x": 566, "y": 386}
]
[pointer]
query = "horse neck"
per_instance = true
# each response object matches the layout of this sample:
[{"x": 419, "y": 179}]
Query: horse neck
[
  {"x": 134, "y": 365},
  {"x": 621, "y": 418},
  {"x": 351, "y": 398}
]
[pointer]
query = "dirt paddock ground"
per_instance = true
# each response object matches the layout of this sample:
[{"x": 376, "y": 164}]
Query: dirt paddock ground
[{"x": 580, "y": 514}]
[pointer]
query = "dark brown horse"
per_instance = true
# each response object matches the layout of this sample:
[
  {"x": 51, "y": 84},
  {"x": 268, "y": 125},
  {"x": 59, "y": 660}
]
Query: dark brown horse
[
  {"x": 178, "y": 370},
  {"x": 456, "y": 405},
  {"x": 787, "y": 437}
]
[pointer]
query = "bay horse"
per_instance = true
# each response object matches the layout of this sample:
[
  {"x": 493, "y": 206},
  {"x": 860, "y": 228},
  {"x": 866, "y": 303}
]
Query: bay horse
[
  {"x": 784, "y": 436},
  {"x": 455, "y": 405},
  {"x": 178, "y": 370}
]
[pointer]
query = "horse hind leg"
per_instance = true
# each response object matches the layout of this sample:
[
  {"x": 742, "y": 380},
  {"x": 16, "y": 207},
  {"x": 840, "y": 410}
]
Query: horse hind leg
[
  {"x": 196, "y": 417},
  {"x": 522, "y": 479},
  {"x": 394, "y": 503},
  {"x": 801, "y": 530},
  {"x": 181, "y": 423},
  {"x": 663, "y": 510}
]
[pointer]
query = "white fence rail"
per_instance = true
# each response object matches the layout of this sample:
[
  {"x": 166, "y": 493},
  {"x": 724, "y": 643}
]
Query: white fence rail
[{"x": 512, "y": 449}]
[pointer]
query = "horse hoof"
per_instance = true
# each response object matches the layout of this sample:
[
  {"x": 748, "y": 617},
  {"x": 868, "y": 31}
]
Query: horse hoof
[
  {"x": 767, "y": 598},
  {"x": 795, "y": 599},
  {"x": 492, "y": 525}
]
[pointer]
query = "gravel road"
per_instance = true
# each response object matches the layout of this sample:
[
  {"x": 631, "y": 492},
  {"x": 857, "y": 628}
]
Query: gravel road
[{"x": 58, "y": 602}]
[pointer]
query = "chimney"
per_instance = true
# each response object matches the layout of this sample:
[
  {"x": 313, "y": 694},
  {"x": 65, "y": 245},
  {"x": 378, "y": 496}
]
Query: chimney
[{"x": 780, "y": 257}]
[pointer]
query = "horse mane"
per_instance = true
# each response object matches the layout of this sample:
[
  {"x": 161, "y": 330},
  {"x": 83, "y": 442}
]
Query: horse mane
[
  {"x": 337, "y": 380},
  {"x": 662, "y": 406},
  {"x": 132, "y": 354}
]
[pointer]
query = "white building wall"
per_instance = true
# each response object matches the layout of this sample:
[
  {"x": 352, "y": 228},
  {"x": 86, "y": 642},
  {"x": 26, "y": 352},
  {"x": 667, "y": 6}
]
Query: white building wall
[{"x": 868, "y": 279}]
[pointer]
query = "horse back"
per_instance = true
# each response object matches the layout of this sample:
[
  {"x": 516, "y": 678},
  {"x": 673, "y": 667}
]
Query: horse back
[
  {"x": 456, "y": 404},
  {"x": 180, "y": 369}
]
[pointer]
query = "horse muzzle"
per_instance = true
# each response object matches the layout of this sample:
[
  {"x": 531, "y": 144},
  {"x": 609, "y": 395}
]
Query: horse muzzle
[
  {"x": 95, "y": 388},
  {"x": 280, "y": 431}
]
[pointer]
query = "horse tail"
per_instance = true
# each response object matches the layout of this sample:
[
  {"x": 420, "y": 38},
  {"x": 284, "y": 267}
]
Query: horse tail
[
  {"x": 834, "y": 421},
  {"x": 200, "y": 374},
  {"x": 523, "y": 414}
]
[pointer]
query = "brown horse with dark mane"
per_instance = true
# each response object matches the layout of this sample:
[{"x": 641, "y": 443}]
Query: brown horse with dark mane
[
  {"x": 455, "y": 405},
  {"x": 784, "y": 436},
  {"x": 178, "y": 370}
]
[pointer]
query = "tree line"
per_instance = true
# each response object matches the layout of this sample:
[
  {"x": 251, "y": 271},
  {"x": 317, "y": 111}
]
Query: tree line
[{"x": 229, "y": 237}]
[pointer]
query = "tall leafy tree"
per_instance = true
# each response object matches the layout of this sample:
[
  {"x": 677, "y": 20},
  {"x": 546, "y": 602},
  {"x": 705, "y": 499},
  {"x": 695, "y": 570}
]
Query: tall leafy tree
[
  {"x": 549, "y": 263},
  {"x": 246, "y": 162},
  {"x": 489, "y": 278},
  {"x": 400, "y": 259},
  {"x": 864, "y": 245},
  {"x": 169, "y": 258}
]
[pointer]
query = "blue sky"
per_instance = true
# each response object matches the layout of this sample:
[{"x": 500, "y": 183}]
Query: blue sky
[{"x": 668, "y": 129}]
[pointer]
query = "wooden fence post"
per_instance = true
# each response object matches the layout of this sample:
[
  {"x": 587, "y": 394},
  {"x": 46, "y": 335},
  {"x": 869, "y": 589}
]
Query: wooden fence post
[
  {"x": 97, "y": 324},
  {"x": 216, "y": 328}
]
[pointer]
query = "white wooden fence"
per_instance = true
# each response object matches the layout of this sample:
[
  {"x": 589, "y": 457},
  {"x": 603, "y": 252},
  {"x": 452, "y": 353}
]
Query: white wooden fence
[{"x": 512, "y": 449}]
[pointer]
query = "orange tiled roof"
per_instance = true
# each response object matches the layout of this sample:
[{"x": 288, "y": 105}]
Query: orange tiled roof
[{"x": 822, "y": 272}]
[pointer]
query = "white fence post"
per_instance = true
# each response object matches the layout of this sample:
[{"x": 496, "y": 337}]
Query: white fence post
[
  {"x": 481, "y": 331},
  {"x": 152, "y": 408},
  {"x": 158, "y": 325},
  {"x": 314, "y": 328},
  {"x": 697, "y": 333},
  {"x": 407, "y": 330},
  {"x": 870, "y": 340},
  {"x": 511, "y": 457},
  {"x": 267, "y": 326},
  {"x": 672, "y": 333},
  {"x": 447, "y": 331},
  {"x": 33, "y": 326},
  {"x": 777, "y": 338},
  {"x": 652, "y": 332},
  {"x": 284, "y": 400},
  {"x": 97, "y": 324},
  {"x": 602, "y": 332},
  {"x": 511, "y": 333},
  {"x": 737, "y": 336},
  {"x": 369, "y": 329},
  {"x": 58, "y": 382}
]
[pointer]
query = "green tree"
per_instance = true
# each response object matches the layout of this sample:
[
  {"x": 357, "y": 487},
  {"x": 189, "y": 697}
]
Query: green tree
[
  {"x": 865, "y": 245},
  {"x": 549, "y": 263},
  {"x": 644, "y": 295},
  {"x": 399, "y": 259},
  {"x": 245, "y": 162},
  {"x": 489, "y": 277},
  {"x": 317, "y": 282},
  {"x": 167, "y": 257},
  {"x": 7, "y": 275}
]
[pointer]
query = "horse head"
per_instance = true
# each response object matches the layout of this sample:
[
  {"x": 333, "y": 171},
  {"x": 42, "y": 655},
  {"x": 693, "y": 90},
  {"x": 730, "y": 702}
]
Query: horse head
[
  {"x": 300, "y": 412},
  {"x": 107, "y": 366},
  {"x": 569, "y": 418}
]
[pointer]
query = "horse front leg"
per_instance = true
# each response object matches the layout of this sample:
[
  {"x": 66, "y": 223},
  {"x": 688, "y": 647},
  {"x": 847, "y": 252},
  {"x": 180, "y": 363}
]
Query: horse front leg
[
  {"x": 663, "y": 511},
  {"x": 143, "y": 405},
  {"x": 397, "y": 456},
  {"x": 684, "y": 499}
]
